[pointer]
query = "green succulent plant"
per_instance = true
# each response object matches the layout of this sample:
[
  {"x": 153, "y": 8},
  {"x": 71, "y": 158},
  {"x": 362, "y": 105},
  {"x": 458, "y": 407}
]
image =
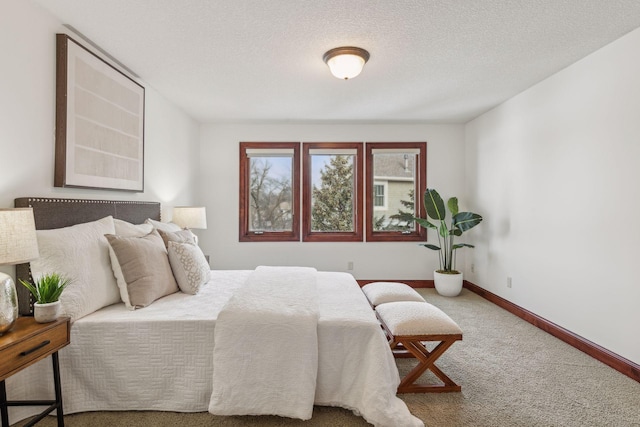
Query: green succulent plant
[
  {"x": 460, "y": 222},
  {"x": 47, "y": 288}
]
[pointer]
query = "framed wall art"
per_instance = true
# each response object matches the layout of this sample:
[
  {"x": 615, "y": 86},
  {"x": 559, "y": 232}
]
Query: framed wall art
[{"x": 99, "y": 122}]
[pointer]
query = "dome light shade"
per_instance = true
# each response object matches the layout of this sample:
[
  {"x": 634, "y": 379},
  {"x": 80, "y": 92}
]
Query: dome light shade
[{"x": 346, "y": 62}]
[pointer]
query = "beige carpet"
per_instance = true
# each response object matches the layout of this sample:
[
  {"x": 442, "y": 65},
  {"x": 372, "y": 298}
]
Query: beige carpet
[{"x": 512, "y": 374}]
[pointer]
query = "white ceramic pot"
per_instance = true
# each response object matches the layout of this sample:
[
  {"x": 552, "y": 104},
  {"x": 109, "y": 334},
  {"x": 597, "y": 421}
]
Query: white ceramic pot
[
  {"x": 448, "y": 285},
  {"x": 44, "y": 313}
]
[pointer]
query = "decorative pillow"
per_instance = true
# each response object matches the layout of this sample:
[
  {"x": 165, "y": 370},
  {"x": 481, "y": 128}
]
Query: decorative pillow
[
  {"x": 189, "y": 266},
  {"x": 141, "y": 267},
  {"x": 180, "y": 236},
  {"x": 81, "y": 253},
  {"x": 164, "y": 226},
  {"x": 126, "y": 229}
]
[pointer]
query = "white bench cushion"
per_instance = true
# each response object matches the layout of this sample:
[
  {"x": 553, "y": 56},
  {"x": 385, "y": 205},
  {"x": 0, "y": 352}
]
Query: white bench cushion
[
  {"x": 384, "y": 292},
  {"x": 416, "y": 318}
]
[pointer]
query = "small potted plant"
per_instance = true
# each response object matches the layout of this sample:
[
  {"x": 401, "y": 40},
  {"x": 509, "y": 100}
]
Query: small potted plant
[
  {"x": 447, "y": 279},
  {"x": 47, "y": 290}
]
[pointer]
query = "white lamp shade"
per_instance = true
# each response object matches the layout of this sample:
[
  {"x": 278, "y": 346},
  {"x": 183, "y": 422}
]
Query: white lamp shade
[
  {"x": 190, "y": 216},
  {"x": 18, "y": 241}
]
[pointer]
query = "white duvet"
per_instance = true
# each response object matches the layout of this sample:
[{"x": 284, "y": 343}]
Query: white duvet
[
  {"x": 265, "y": 354},
  {"x": 161, "y": 357}
]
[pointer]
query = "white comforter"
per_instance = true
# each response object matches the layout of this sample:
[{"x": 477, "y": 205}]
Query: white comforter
[
  {"x": 161, "y": 357},
  {"x": 265, "y": 356}
]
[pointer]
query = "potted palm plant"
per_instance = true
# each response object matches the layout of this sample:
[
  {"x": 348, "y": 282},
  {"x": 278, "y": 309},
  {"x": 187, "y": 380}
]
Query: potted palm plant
[
  {"x": 47, "y": 290},
  {"x": 447, "y": 279}
]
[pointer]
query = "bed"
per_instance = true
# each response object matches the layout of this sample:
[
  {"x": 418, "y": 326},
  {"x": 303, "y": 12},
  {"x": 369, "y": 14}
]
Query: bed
[{"x": 163, "y": 356}]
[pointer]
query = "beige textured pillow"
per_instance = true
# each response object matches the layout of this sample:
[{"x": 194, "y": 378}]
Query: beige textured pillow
[
  {"x": 142, "y": 269},
  {"x": 180, "y": 236},
  {"x": 189, "y": 266}
]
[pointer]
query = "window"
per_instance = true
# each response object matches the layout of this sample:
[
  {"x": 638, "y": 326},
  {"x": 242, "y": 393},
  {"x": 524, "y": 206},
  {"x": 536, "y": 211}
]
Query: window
[
  {"x": 332, "y": 192},
  {"x": 269, "y": 191},
  {"x": 336, "y": 203},
  {"x": 396, "y": 181},
  {"x": 378, "y": 196}
]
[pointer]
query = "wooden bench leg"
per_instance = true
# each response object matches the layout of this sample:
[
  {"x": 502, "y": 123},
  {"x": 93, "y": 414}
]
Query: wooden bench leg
[
  {"x": 426, "y": 361},
  {"x": 415, "y": 346}
]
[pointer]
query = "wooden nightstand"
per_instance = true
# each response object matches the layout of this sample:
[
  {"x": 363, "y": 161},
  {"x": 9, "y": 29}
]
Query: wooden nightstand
[{"x": 24, "y": 345}]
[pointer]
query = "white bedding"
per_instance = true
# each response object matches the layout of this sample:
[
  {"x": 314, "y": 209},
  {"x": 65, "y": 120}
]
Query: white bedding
[
  {"x": 265, "y": 356},
  {"x": 161, "y": 357}
]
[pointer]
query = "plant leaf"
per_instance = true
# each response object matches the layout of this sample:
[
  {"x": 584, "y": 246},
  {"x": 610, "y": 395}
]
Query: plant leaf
[
  {"x": 434, "y": 204},
  {"x": 47, "y": 288},
  {"x": 444, "y": 231},
  {"x": 452, "y": 203},
  {"x": 427, "y": 245},
  {"x": 462, "y": 245},
  {"x": 424, "y": 223},
  {"x": 466, "y": 220}
]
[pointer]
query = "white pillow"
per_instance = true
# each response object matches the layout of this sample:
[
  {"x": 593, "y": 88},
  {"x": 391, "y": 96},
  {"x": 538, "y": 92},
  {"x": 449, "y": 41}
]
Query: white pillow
[
  {"x": 164, "y": 226},
  {"x": 126, "y": 229},
  {"x": 189, "y": 265},
  {"x": 81, "y": 253}
]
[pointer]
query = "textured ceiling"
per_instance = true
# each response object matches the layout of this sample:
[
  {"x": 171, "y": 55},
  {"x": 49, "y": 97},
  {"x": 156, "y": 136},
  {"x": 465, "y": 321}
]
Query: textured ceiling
[{"x": 431, "y": 61}]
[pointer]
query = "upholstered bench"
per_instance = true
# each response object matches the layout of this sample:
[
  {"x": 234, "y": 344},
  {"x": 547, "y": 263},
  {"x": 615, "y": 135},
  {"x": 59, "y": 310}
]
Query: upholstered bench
[
  {"x": 383, "y": 292},
  {"x": 409, "y": 325}
]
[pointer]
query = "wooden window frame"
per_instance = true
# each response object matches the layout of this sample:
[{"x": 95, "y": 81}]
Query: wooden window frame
[
  {"x": 245, "y": 234},
  {"x": 420, "y": 234},
  {"x": 357, "y": 234}
]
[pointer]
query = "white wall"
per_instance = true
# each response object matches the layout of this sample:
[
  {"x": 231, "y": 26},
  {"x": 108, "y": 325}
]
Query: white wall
[
  {"x": 378, "y": 260},
  {"x": 27, "y": 121},
  {"x": 555, "y": 171}
]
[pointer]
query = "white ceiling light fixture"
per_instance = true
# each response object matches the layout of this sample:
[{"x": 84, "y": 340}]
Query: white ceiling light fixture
[{"x": 346, "y": 62}]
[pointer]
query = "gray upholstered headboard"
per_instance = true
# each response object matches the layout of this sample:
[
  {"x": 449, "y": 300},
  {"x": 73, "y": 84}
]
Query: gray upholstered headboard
[{"x": 57, "y": 213}]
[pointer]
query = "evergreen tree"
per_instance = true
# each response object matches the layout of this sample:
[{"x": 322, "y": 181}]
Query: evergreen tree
[
  {"x": 400, "y": 221},
  {"x": 332, "y": 208},
  {"x": 404, "y": 220}
]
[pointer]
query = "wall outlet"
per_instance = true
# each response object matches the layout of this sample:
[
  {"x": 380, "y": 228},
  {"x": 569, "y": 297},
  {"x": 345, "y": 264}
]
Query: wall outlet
[
  {"x": 350, "y": 265},
  {"x": 473, "y": 268},
  {"x": 508, "y": 282}
]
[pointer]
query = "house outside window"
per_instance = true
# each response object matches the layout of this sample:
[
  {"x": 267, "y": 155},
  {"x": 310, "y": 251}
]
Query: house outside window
[{"x": 399, "y": 171}]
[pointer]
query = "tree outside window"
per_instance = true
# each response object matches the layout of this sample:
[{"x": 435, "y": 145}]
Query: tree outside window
[
  {"x": 332, "y": 191},
  {"x": 271, "y": 194},
  {"x": 269, "y": 191}
]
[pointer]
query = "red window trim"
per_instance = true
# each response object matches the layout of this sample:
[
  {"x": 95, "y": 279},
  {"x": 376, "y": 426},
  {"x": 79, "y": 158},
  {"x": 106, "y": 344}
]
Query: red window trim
[
  {"x": 245, "y": 235},
  {"x": 420, "y": 234},
  {"x": 311, "y": 236}
]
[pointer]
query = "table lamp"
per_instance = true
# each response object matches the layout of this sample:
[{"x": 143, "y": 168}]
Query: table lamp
[
  {"x": 18, "y": 244},
  {"x": 190, "y": 216}
]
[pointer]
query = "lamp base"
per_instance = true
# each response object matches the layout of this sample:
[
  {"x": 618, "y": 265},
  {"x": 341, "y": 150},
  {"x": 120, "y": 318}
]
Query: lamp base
[{"x": 8, "y": 303}]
